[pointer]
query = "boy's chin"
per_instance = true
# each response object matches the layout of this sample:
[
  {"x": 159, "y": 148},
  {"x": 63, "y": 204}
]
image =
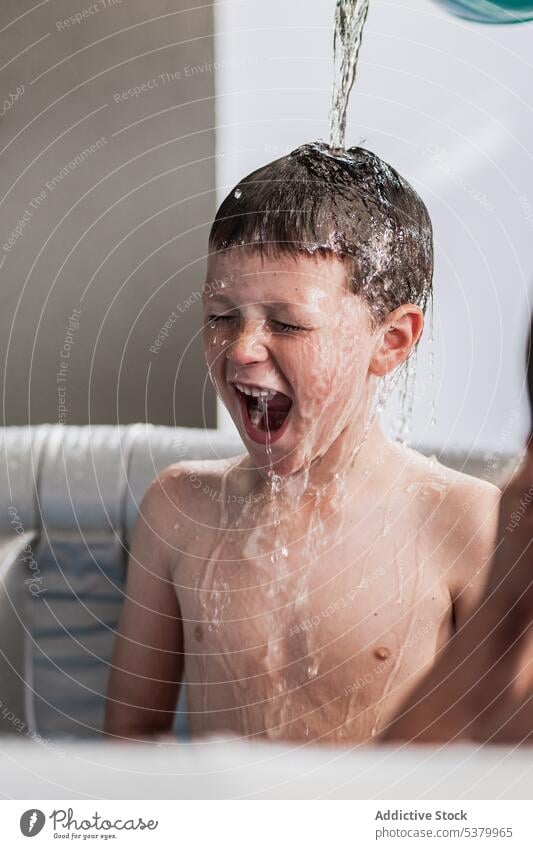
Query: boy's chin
[{"x": 278, "y": 457}]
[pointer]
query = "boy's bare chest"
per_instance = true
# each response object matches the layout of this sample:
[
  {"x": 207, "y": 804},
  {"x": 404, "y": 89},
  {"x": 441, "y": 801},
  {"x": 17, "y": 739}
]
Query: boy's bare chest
[{"x": 331, "y": 599}]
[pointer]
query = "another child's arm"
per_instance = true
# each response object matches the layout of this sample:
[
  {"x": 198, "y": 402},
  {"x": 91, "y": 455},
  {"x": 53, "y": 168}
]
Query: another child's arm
[
  {"x": 508, "y": 648},
  {"x": 147, "y": 661}
]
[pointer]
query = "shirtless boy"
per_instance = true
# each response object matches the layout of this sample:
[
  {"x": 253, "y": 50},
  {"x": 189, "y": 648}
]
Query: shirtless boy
[{"x": 303, "y": 588}]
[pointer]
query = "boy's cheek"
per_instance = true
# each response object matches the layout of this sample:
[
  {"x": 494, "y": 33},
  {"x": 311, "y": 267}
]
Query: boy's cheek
[{"x": 326, "y": 395}]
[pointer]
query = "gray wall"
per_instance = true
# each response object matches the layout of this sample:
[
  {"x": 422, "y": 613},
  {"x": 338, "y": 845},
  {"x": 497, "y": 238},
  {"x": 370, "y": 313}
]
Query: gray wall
[{"x": 105, "y": 202}]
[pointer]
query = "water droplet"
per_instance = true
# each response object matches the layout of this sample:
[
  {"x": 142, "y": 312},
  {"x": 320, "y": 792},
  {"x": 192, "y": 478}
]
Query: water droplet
[
  {"x": 312, "y": 670},
  {"x": 285, "y": 551},
  {"x": 237, "y": 193}
]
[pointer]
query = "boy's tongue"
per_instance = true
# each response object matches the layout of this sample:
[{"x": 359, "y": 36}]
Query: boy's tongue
[{"x": 280, "y": 402}]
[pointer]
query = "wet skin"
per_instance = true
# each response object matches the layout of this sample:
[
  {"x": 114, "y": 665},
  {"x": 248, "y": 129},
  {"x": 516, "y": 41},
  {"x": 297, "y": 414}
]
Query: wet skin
[
  {"x": 302, "y": 591},
  {"x": 481, "y": 688}
]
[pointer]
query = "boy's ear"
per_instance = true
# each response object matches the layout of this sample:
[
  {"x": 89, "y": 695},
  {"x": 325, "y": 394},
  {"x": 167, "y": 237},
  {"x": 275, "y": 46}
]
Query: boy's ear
[{"x": 400, "y": 332}]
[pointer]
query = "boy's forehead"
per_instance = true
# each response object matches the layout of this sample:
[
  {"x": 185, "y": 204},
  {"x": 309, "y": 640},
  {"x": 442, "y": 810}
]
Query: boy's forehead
[{"x": 280, "y": 280}]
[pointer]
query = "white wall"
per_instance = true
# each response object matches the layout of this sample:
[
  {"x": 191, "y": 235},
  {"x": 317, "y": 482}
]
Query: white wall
[{"x": 449, "y": 104}]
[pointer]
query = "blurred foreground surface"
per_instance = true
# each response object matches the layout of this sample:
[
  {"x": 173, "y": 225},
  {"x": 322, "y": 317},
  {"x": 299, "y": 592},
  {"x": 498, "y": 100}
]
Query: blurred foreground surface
[{"x": 233, "y": 769}]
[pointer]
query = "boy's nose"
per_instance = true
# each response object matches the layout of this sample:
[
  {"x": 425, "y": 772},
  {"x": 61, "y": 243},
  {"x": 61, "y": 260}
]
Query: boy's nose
[{"x": 248, "y": 344}]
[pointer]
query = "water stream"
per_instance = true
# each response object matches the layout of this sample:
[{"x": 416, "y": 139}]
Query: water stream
[{"x": 350, "y": 19}]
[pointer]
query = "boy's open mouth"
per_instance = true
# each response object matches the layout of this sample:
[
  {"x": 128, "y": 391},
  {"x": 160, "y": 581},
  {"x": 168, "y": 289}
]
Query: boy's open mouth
[{"x": 263, "y": 414}]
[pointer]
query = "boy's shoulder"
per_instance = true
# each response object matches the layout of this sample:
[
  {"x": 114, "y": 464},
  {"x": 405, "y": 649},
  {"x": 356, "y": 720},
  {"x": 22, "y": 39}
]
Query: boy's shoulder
[
  {"x": 461, "y": 512},
  {"x": 176, "y": 503},
  {"x": 443, "y": 479},
  {"x": 187, "y": 473},
  {"x": 461, "y": 509},
  {"x": 180, "y": 487}
]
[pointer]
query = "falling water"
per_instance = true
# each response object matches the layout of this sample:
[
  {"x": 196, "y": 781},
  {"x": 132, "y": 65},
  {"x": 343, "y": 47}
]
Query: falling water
[
  {"x": 350, "y": 18},
  {"x": 431, "y": 358}
]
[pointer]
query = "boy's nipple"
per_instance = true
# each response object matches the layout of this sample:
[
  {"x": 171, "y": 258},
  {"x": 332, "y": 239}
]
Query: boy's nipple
[{"x": 382, "y": 653}]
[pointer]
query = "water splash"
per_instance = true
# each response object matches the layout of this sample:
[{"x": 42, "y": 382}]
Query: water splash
[
  {"x": 211, "y": 597},
  {"x": 431, "y": 360},
  {"x": 350, "y": 18},
  {"x": 407, "y": 391}
]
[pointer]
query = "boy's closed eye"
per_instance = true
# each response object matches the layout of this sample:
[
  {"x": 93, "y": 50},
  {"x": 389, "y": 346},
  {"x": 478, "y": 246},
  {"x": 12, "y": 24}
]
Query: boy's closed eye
[{"x": 280, "y": 324}]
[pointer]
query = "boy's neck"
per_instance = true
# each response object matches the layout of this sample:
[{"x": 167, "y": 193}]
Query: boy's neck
[{"x": 346, "y": 463}]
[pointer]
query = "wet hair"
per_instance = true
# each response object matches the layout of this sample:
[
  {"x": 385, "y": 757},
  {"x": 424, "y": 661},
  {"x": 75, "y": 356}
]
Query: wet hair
[{"x": 349, "y": 204}]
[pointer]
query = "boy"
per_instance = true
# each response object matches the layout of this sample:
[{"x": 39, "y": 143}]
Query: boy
[
  {"x": 481, "y": 687},
  {"x": 303, "y": 588}
]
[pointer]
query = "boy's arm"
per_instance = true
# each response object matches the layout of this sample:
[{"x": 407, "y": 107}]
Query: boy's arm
[
  {"x": 147, "y": 660},
  {"x": 468, "y": 692}
]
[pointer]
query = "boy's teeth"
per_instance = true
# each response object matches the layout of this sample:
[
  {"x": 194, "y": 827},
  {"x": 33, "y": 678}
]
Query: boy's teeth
[{"x": 256, "y": 392}]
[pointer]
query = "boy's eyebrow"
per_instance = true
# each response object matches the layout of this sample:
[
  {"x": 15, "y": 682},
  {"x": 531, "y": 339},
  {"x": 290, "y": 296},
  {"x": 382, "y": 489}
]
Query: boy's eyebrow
[
  {"x": 216, "y": 296},
  {"x": 228, "y": 300}
]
